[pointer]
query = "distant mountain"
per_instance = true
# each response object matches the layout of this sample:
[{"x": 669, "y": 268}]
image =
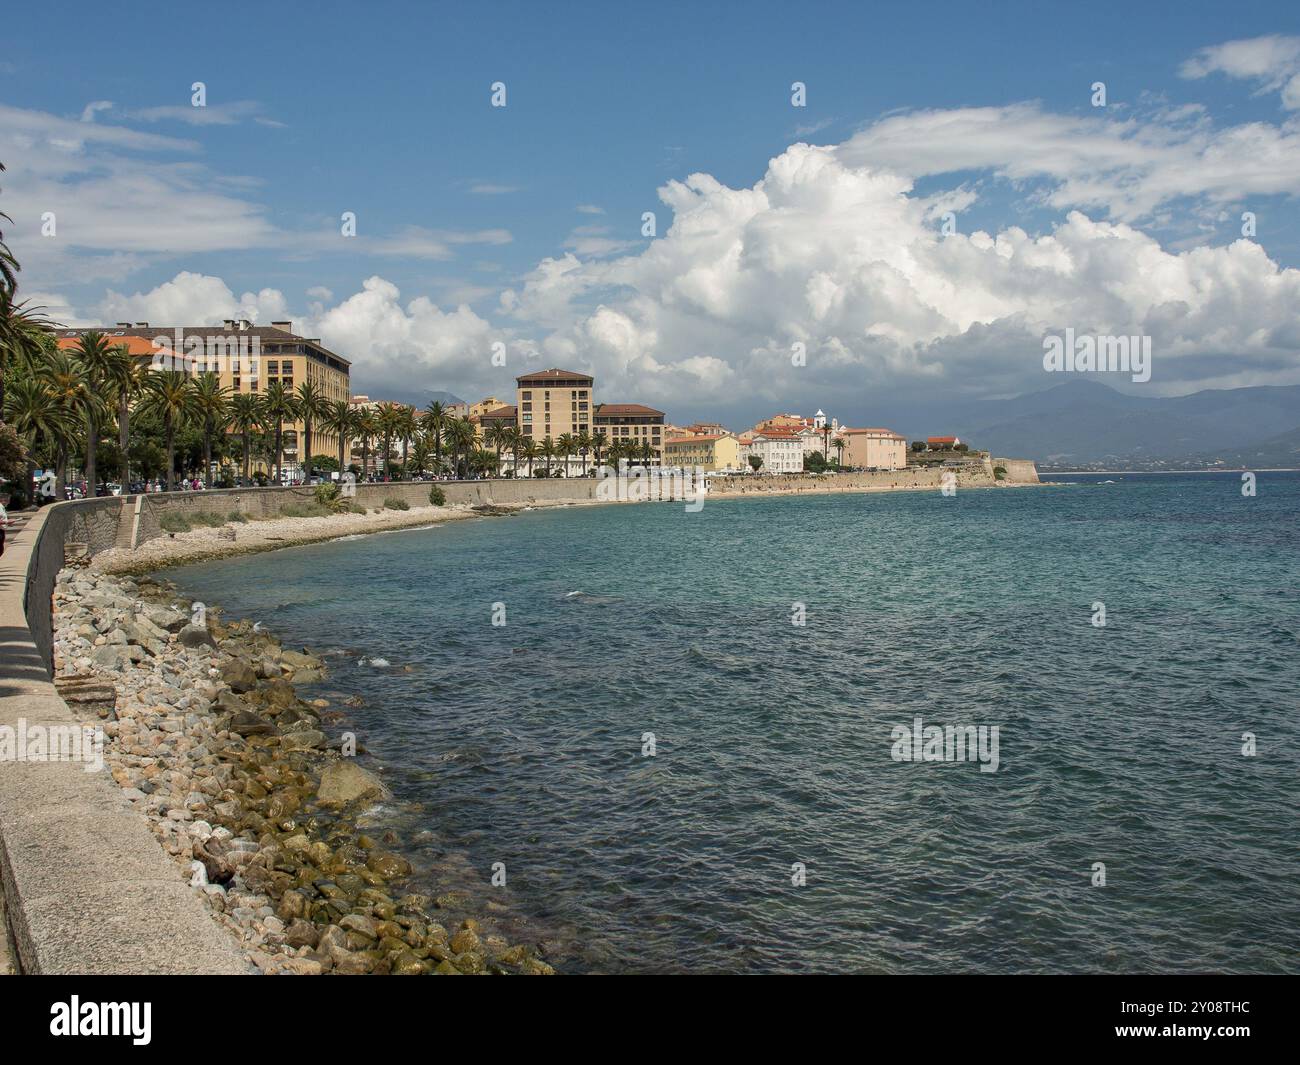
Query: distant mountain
[
  {"x": 1282, "y": 450},
  {"x": 1088, "y": 423}
]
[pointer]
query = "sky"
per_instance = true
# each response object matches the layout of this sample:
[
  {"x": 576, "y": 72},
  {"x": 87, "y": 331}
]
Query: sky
[{"x": 952, "y": 190}]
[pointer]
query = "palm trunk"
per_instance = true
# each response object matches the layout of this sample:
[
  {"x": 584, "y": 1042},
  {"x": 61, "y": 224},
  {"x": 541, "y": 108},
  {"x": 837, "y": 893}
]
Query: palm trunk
[
  {"x": 207, "y": 455},
  {"x": 92, "y": 444},
  {"x": 278, "y": 453},
  {"x": 124, "y": 435},
  {"x": 246, "y": 456},
  {"x": 306, "y": 449},
  {"x": 169, "y": 432}
]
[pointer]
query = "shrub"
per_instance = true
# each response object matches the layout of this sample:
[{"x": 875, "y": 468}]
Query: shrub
[
  {"x": 437, "y": 496},
  {"x": 212, "y": 521},
  {"x": 999, "y": 473},
  {"x": 393, "y": 503},
  {"x": 173, "y": 522},
  {"x": 237, "y": 518}
]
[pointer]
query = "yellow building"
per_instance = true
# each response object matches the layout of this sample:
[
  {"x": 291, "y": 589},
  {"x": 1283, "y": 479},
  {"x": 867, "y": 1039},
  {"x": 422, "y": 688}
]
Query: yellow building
[
  {"x": 246, "y": 358},
  {"x": 879, "y": 449},
  {"x": 553, "y": 402},
  {"x": 715, "y": 452}
]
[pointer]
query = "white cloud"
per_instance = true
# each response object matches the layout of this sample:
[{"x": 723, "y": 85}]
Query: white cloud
[
  {"x": 489, "y": 189},
  {"x": 589, "y": 208},
  {"x": 221, "y": 114},
  {"x": 1272, "y": 62},
  {"x": 844, "y": 258}
]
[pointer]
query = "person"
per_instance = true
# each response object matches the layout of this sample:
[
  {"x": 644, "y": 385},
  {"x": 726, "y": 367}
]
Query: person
[{"x": 4, "y": 521}]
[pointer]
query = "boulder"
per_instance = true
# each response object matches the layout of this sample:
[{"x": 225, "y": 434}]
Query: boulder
[
  {"x": 239, "y": 674},
  {"x": 345, "y": 781},
  {"x": 195, "y": 636}
]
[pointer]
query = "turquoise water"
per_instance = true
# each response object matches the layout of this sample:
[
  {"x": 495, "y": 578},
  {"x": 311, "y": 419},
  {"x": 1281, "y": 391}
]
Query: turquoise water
[{"x": 522, "y": 744}]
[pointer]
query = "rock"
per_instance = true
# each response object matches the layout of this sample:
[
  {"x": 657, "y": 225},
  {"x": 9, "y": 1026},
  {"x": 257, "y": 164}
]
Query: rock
[
  {"x": 305, "y": 740},
  {"x": 445, "y": 968},
  {"x": 246, "y": 723},
  {"x": 387, "y": 865},
  {"x": 363, "y": 926},
  {"x": 345, "y": 781},
  {"x": 308, "y": 676},
  {"x": 351, "y": 963},
  {"x": 292, "y": 905},
  {"x": 166, "y": 618},
  {"x": 300, "y": 933},
  {"x": 296, "y": 661},
  {"x": 239, "y": 674},
  {"x": 111, "y": 656},
  {"x": 195, "y": 636},
  {"x": 465, "y": 941}
]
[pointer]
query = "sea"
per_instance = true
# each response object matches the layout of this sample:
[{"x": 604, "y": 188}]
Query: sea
[{"x": 663, "y": 741}]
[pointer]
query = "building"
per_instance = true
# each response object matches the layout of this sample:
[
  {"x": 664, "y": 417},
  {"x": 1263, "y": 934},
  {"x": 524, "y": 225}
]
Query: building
[
  {"x": 880, "y": 449},
  {"x": 553, "y": 402},
  {"x": 781, "y": 450},
  {"x": 484, "y": 405},
  {"x": 705, "y": 429},
  {"x": 941, "y": 443},
  {"x": 716, "y": 452},
  {"x": 246, "y": 359},
  {"x": 632, "y": 421}
]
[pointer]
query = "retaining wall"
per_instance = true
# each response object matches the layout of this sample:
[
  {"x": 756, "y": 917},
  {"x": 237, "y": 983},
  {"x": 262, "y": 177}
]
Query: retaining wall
[{"x": 87, "y": 887}]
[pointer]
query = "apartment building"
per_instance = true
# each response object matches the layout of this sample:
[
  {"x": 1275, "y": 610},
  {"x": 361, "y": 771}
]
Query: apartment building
[
  {"x": 720, "y": 451},
  {"x": 246, "y": 358},
  {"x": 780, "y": 449},
  {"x": 632, "y": 421},
  {"x": 880, "y": 449},
  {"x": 553, "y": 402}
]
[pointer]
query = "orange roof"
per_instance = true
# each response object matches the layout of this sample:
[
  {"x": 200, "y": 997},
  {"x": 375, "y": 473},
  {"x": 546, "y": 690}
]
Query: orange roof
[
  {"x": 696, "y": 439},
  {"x": 133, "y": 344}
]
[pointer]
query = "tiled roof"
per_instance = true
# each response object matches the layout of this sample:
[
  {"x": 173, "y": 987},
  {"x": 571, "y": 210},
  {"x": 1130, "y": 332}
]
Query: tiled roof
[
  {"x": 552, "y": 374},
  {"x": 625, "y": 408}
]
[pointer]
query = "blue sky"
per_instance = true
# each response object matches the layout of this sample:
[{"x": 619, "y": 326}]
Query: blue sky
[{"x": 383, "y": 109}]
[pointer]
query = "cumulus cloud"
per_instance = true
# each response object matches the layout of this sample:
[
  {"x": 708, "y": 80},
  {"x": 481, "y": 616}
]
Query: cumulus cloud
[{"x": 845, "y": 259}]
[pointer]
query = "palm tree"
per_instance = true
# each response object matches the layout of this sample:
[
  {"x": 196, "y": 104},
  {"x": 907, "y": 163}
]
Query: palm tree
[
  {"x": 514, "y": 438},
  {"x": 279, "y": 406},
  {"x": 548, "y": 452},
  {"x": 312, "y": 408},
  {"x": 365, "y": 428},
  {"x": 171, "y": 397},
  {"x": 24, "y": 330},
  {"x": 340, "y": 420},
  {"x": 461, "y": 438},
  {"x": 497, "y": 436},
  {"x": 388, "y": 421},
  {"x": 124, "y": 381},
  {"x": 564, "y": 447},
  {"x": 95, "y": 354},
  {"x": 420, "y": 454},
  {"x": 212, "y": 411},
  {"x": 528, "y": 449},
  {"x": 31, "y": 408},
  {"x": 583, "y": 443},
  {"x": 8, "y": 271},
  {"x": 245, "y": 417},
  {"x": 407, "y": 424},
  {"x": 840, "y": 445},
  {"x": 434, "y": 421},
  {"x": 599, "y": 440}
]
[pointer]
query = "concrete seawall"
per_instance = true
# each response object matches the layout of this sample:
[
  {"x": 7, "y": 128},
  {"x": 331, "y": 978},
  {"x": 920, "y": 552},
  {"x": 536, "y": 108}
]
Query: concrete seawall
[{"x": 87, "y": 887}]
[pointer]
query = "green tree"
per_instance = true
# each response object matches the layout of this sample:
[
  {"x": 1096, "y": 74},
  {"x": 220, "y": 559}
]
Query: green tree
[
  {"x": 279, "y": 406},
  {"x": 170, "y": 397},
  {"x": 245, "y": 418},
  {"x": 98, "y": 359},
  {"x": 212, "y": 411},
  {"x": 340, "y": 420},
  {"x": 39, "y": 419},
  {"x": 312, "y": 409}
]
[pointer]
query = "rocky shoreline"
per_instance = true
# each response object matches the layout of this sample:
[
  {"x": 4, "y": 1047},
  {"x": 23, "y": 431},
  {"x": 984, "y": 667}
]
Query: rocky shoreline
[{"x": 243, "y": 786}]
